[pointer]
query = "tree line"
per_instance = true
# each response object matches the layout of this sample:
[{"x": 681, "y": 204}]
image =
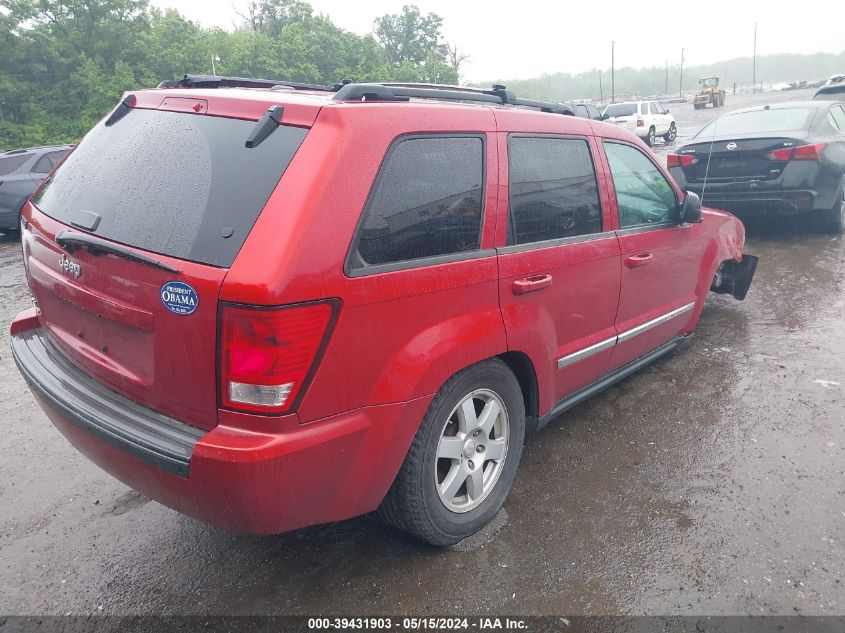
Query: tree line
[{"x": 64, "y": 63}]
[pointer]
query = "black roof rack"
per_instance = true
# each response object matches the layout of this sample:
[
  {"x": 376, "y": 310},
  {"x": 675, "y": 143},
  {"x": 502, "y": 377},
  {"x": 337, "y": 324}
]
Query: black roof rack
[
  {"x": 403, "y": 92},
  {"x": 349, "y": 91},
  {"x": 213, "y": 81}
]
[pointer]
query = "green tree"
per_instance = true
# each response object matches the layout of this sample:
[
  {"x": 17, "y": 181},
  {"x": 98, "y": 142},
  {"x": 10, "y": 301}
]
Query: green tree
[
  {"x": 65, "y": 63},
  {"x": 410, "y": 37}
]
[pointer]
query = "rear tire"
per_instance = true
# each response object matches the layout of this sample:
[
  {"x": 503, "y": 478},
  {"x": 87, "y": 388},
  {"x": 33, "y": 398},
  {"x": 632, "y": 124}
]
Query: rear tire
[
  {"x": 671, "y": 135},
  {"x": 463, "y": 459},
  {"x": 833, "y": 220},
  {"x": 649, "y": 139}
]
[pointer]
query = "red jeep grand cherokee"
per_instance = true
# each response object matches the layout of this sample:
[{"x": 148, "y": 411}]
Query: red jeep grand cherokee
[{"x": 270, "y": 306}]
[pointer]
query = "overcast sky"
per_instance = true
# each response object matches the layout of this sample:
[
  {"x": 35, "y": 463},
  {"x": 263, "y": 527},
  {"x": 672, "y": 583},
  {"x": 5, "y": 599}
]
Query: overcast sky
[{"x": 526, "y": 38}]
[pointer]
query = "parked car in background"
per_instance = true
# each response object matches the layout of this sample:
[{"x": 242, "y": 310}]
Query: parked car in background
[
  {"x": 587, "y": 111},
  {"x": 646, "y": 119},
  {"x": 317, "y": 303},
  {"x": 21, "y": 171},
  {"x": 780, "y": 159},
  {"x": 831, "y": 92}
]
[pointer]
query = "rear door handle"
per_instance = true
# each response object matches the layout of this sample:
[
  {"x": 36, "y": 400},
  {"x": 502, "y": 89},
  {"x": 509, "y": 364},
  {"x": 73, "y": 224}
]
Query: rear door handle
[
  {"x": 531, "y": 284},
  {"x": 635, "y": 261}
]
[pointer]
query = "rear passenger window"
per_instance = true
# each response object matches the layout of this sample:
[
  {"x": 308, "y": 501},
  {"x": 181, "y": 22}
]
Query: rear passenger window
[
  {"x": 553, "y": 190},
  {"x": 427, "y": 201},
  {"x": 837, "y": 113},
  {"x": 10, "y": 164},
  {"x": 43, "y": 165}
]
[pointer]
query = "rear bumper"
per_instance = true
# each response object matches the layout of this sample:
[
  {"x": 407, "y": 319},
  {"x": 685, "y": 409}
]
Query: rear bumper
[
  {"x": 242, "y": 480},
  {"x": 800, "y": 189},
  {"x": 757, "y": 203},
  {"x": 149, "y": 436}
]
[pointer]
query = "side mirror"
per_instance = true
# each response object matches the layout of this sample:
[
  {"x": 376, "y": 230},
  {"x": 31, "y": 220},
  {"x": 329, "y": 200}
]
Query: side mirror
[
  {"x": 605, "y": 117},
  {"x": 666, "y": 110},
  {"x": 691, "y": 208}
]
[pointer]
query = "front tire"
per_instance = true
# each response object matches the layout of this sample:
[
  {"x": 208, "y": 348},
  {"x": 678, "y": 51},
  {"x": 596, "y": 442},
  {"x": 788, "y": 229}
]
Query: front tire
[
  {"x": 671, "y": 135},
  {"x": 649, "y": 139},
  {"x": 463, "y": 459}
]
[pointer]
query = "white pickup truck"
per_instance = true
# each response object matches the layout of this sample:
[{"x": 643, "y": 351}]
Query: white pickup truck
[{"x": 646, "y": 119}]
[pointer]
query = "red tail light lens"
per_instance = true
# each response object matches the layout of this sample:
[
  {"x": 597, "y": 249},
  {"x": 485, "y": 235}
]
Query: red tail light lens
[
  {"x": 680, "y": 160},
  {"x": 802, "y": 152},
  {"x": 640, "y": 122},
  {"x": 267, "y": 355}
]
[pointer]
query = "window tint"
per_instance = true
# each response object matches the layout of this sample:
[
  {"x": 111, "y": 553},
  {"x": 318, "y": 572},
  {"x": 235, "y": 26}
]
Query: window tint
[
  {"x": 10, "y": 164},
  {"x": 621, "y": 109},
  {"x": 594, "y": 112},
  {"x": 427, "y": 201},
  {"x": 553, "y": 190},
  {"x": 643, "y": 195},
  {"x": 653, "y": 107},
  {"x": 43, "y": 165},
  {"x": 581, "y": 110},
  {"x": 178, "y": 184}
]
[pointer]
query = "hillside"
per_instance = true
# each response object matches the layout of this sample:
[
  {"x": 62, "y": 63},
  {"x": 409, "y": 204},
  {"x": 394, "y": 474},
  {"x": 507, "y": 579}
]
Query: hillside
[{"x": 647, "y": 81}]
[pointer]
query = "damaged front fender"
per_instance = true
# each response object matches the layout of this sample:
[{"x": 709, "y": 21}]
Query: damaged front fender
[{"x": 734, "y": 278}]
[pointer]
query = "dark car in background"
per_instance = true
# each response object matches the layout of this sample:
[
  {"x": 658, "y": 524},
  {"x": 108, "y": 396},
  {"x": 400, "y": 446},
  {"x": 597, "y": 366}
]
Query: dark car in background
[
  {"x": 784, "y": 159},
  {"x": 21, "y": 171}
]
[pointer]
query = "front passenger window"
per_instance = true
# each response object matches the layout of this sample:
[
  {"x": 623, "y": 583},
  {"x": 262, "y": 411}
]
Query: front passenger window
[{"x": 643, "y": 195}]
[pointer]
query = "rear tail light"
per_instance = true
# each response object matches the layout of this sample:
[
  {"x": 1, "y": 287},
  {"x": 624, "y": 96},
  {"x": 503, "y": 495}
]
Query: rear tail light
[
  {"x": 640, "y": 122},
  {"x": 802, "y": 152},
  {"x": 680, "y": 160},
  {"x": 268, "y": 355}
]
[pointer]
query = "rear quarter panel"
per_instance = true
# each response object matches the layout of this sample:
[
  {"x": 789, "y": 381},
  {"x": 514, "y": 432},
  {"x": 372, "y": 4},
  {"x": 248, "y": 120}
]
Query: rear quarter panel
[{"x": 401, "y": 334}]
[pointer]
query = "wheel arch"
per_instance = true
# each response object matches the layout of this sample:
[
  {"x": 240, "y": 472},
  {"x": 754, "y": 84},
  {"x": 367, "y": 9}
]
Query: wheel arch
[{"x": 523, "y": 368}]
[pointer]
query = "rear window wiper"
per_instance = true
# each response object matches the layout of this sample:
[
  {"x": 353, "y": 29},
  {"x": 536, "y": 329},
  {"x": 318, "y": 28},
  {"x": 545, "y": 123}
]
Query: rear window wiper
[
  {"x": 70, "y": 240},
  {"x": 265, "y": 126}
]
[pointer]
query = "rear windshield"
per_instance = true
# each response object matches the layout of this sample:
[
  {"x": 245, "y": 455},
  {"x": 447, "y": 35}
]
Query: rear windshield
[
  {"x": 182, "y": 185},
  {"x": 759, "y": 122},
  {"x": 621, "y": 109}
]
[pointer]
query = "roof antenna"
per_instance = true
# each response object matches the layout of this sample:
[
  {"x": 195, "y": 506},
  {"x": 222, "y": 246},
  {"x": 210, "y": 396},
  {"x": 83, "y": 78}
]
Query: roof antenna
[{"x": 709, "y": 156}]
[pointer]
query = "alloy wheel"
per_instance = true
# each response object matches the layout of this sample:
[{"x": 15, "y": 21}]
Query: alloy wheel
[{"x": 471, "y": 450}]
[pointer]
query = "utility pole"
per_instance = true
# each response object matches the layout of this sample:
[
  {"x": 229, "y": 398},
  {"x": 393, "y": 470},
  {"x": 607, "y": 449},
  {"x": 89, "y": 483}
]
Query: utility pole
[
  {"x": 681, "y": 82},
  {"x": 214, "y": 58},
  {"x": 612, "y": 71},
  {"x": 601, "y": 92},
  {"x": 666, "y": 85},
  {"x": 754, "y": 63}
]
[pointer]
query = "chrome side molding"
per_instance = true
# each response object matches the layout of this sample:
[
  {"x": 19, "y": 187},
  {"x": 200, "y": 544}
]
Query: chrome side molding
[{"x": 627, "y": 335}]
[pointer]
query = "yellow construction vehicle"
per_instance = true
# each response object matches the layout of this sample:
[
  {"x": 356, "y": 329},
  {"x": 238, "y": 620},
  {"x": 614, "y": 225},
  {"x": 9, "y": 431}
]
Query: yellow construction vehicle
[{"x": 709, "y": 92}]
